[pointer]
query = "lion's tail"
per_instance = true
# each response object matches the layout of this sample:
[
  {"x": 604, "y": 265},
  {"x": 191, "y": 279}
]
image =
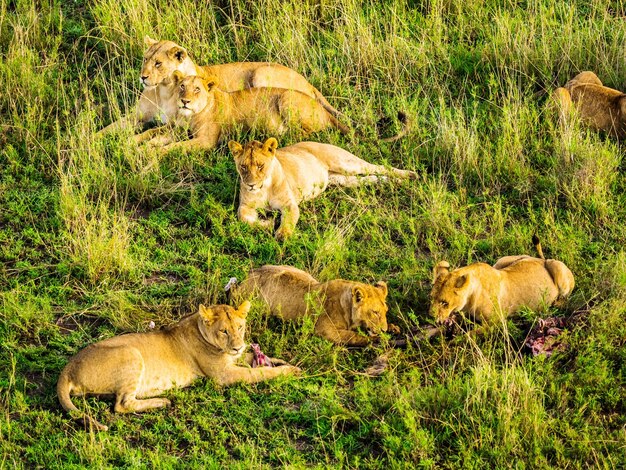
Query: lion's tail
[
  {"x": 537, "y": 244},
  {"x": 327, "y": 106},
  {"x": 406, "y": 127},
  {"x": 63, "y": 392},
  {"x": 337, "y": 116},
  {"x": 345, "y": 130}
]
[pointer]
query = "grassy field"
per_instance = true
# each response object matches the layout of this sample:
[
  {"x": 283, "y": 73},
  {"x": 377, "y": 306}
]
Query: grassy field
[{"x": 99, "y": 237}]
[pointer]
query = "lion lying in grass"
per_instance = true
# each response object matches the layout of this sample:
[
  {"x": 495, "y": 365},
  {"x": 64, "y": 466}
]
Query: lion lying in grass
[
  {"x": 281, "y": 178},
  {"x": 162, "y": 58},
  {"x": 136, "y": 366},
  {"x": 599, "y": 107},
  {"x": 212, "y": 112},
  {"x": 486, "y": 292},
  {"x": 342, "y": 306}
]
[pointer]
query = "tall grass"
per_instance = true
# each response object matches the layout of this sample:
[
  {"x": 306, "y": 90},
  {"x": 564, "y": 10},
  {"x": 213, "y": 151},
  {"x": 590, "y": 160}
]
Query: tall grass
[{"x": 99, "y": 236}]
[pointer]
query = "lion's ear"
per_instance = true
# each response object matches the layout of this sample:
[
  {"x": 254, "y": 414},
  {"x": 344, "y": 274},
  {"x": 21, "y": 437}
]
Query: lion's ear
[
  {"x": 443, "y": 267},
  {"x": 178, "y": 53},
  {"x": 148, "y": 41},
  {"x": 177, "y": 76},
  {"x": 210, "y": 82},
  {"x": 235, "y": 147},
  {"x": 244, "y": 308},
  {"x": 270, "y": 145},
  {"x": 207, "y": 314},
  {"x": 357, "y": 294},
  {"x": 382, "y": 285},
  {"x": 462, "y": 282}
]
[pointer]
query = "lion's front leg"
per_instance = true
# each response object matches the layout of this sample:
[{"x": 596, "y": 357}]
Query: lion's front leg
[
  {"x": 347, "y": 337},
  {"x": 327, "y": 329},
  {"x": 204, "y": 138},
  {"x": 249, "y": 215},
  {"x": 234, "y": 374},
  {"x": 152, "y": 134},
  {"x": 288, "y": 219}
]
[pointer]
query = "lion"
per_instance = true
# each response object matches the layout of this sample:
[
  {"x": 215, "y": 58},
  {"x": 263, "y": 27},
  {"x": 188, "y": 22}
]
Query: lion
[
  {"x": 487, "y": 293},
  {"x": 342, "y": 306},
  {"x": 281, "y": 178},
  {"x": 212, "y": 112},
  {"x": 600, "y": 107},
  {"x": 135, "y": 367},
  {"x": 162, "y": 58}
]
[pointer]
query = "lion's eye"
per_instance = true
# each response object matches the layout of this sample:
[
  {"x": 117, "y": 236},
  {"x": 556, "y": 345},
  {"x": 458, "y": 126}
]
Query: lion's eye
[
  {"x": 157, "y": 64},
  {"x": 182, "y": 88},
  {"x": 260, "y": 167},
  {"x": 197, "y": 90},
  {"x": 444, "y": 304},
  {"x": 224, "y": 332},
  {"x": 244, "y": 170},
  {"x": 376, "y": 314}
]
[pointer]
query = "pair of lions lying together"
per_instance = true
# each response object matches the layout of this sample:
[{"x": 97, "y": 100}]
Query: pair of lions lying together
[
  {"x": 135, "y": 367},
  {"x": 214, "y": 100}
]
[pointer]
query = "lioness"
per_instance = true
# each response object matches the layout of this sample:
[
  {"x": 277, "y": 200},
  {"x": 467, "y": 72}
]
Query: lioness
[
  {"x": 281, "y": 178},
  {"x": 485, "y": 292},
  {"x": 136, "y": 366},
  {"x": 162, "y": 58},
  {"x": 599, "y": 107},
  {"x": 212, "y": 112},
  {"x": 343, "y": 306}
]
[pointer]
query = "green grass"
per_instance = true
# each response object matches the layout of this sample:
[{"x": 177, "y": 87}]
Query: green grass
[{"x": 99, "y": 237}]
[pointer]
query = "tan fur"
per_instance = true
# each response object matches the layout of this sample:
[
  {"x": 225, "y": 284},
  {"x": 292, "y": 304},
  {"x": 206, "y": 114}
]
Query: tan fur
[
  {"x": 136, "y": 366},
  {"x": 601, "y": 108},
  {"x": 343, "y": 306},
  {"x": 212, "y": 112},
  {"x": 281, "y": 178},
  {"x": 162, "y": 58},
  {"x": 486, "y": 293}
]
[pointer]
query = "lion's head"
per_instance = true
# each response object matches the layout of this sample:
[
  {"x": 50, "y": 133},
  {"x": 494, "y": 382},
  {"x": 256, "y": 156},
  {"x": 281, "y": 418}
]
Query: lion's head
[
  {"x": 223, "y": 327},
  {"x": 161, "y": 60},
  {"x": 254, "y": 161},
  {"x": 369, "y": 307},
  {"x": 449, "y": 293},
  {"x": 193, "y": 92}
]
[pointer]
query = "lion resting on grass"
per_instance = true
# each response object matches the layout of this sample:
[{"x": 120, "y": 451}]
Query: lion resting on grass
[
  {"x": 136, "y": 366},
  {"x": 280, "y": 179},
  {"x": 211, "y": 112},
  {"x": 486, "y": 292},
  {"x": 162, "y": 58},
  {"x": 342, "y": 307},
  {"x": 599, "y": 107}
]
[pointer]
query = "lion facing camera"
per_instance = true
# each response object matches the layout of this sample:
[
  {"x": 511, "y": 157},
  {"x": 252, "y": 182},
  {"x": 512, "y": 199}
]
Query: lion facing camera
[{"x": 137, "y": 366}]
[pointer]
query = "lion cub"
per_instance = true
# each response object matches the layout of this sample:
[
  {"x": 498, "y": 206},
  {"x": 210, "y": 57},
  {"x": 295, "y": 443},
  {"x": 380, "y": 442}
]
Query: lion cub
[
  {"x": 343, "y": 306},
  {"x": 212, "y": 112},
  {"x": 162, "y": 58},
  {"x": 281, "y": 178},
  {"x": 600, "y": 107},
  {"x": 486, "y": 292},
  {"x": 136, "y": 366}
]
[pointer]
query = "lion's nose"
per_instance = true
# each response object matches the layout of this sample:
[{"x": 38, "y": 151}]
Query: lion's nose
[
  {"x": 185, "y": 102},
  {"x": 251, "y": 186}
]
